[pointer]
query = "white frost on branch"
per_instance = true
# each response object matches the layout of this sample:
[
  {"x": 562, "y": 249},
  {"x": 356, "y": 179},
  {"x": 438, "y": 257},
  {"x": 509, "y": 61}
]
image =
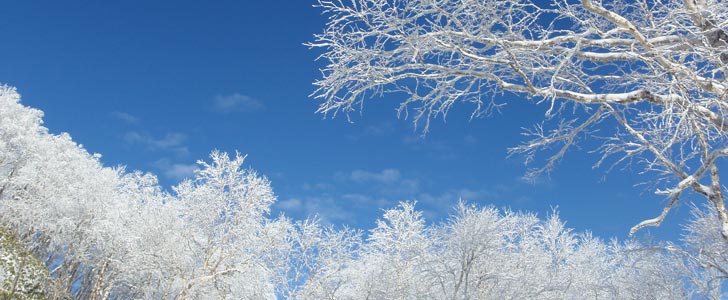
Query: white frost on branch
[{"x": 656, "y": 67}]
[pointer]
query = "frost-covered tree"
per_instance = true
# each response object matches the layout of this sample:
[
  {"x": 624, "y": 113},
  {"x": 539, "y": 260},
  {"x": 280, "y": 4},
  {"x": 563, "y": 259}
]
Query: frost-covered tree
[
  {"x": 705, "y": 254},
  {"x": 654, "y": 70},
  {"x": 104, "y": 233},
  {"x": 392, "y": 260},
  {"x": 54, "y": 196},
  {"x": 227, "y": 236},
  {"x": 311, "y": 263},
  {"x": 483, "y": 253}
]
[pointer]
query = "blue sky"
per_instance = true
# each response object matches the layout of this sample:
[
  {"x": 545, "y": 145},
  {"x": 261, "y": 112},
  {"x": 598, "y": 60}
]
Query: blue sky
[{"x": 156, "y": 85}]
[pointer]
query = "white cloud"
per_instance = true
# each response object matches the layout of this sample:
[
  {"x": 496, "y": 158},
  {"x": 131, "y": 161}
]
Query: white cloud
[
  {"x": 236, "y": 103},
  {"x": 127, "y": 118},
  {"x": 386, "y": 176}
]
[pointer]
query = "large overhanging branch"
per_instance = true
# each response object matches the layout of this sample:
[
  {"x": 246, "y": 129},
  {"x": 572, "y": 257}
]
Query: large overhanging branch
[
  {"x": 657, "y": 68},
  {"x": 436, "y": 72}
]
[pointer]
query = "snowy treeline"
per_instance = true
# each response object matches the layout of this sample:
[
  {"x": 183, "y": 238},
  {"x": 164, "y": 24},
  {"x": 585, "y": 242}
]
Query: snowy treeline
[{"x": 105, "y": 233}]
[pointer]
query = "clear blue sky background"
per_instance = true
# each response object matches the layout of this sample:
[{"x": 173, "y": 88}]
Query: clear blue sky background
[{"x": 156, "y": 85}]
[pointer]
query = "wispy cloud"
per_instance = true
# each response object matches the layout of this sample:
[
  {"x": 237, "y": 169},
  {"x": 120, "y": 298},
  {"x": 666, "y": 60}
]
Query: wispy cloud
[
  {"x": 361, "y": 201},
  {"x": 236, "y": 103},
  {"x": 437, "y": 148},
  {"x": 388, "y": 183},
  {"x": 403, "y": 188},
  {"x": 377, "y": 130},
  {"x": 453, "y": 195},
  {"x": 181, "y": 171},
  {"x": 361, "y": 193},
  {"x": 326, "y": 208},
  {"x": 380, "y": 129},
  {"x": 169, "y": 140},
  {"x": 469, "y": 139},
  {"x": 170, "y": 146},
  {"x": 386, "y": 176},
  {"x": 173, "y": 141},
  {"x": 176, "y": 171},
  {"x": 126, "y": 118},
  {"x": 440, "y": 204},
  {"x": 354, "y": 194},
  {"x": 321, "y": 186},
  {"x": 293, "y": 204}
]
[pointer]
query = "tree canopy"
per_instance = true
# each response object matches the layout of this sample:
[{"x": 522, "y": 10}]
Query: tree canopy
[{"x": 106, "y": 233}]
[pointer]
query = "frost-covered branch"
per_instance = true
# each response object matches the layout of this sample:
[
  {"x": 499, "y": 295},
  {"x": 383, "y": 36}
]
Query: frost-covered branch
[{"x": 659, "y": 66}]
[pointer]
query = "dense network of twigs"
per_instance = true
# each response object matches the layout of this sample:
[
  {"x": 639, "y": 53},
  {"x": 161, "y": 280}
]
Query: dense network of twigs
[{"x": 654, "y": 69}]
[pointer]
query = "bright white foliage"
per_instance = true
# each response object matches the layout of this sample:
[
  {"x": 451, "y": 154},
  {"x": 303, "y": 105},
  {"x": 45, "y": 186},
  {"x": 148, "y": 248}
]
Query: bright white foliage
[
  {"x": 107, "y": 234},
  {"x": 226, "y": 233},
  {"x": 482, "y": 253},
  {"x": 110, "y": 234}
]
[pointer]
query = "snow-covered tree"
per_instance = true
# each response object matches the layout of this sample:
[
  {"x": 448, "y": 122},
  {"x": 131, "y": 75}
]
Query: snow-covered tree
[
  {"x": 705, "y": 254},
  {"x": 105, "y": 233},
  {"x": 226, "y": 233},
  {"x": 54, "y": 195},
  {"x": 311, "y": 263},
  {"x": 653, "y": 70},
  {"x": 483, "y": 253},
  {"x": 392, "y": 260}
]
